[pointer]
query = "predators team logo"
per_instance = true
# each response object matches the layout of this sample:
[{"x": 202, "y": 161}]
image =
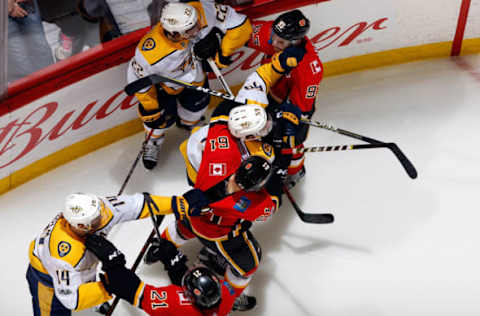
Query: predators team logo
[
  {"x": 149, "y": 44},
  {"x": 64, "y": 248},
  {"x": 267, "y": 149}
]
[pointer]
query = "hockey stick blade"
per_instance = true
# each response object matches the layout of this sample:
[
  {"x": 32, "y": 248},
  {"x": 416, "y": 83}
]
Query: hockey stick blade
[
  {"x": 321, "y": 218},
  {"x": 407, "y": 165}
]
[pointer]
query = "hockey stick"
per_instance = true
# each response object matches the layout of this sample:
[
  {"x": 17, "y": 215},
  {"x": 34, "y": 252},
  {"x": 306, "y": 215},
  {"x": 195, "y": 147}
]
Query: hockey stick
[
  {"x": 155, "y": 231},
  {"x": 219, "y": 76},
  {"x": 152, "y": 234},
  {"x": 142, "y": 83},
  {"x": 407, "y": 165},
  {"x": 315, "y": 149},
  {"x": 142, "y": 150},
  {"x": 319, "y": 218}
]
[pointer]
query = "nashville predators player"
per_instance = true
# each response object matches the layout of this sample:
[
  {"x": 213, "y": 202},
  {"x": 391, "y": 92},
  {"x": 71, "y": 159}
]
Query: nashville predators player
[
  {"x": 62, "y": 273},
  {"x": 188, "y": 33}
]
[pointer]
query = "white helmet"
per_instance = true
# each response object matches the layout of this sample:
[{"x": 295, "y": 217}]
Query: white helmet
[
  {"x": 82, "y": 210},
  {"x": 249, "y": 120},
  {"x": 178, "y": 17}
]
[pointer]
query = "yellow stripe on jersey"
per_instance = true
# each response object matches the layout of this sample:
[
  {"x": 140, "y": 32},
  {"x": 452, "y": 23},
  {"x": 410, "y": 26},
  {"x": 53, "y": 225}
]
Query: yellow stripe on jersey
[
  {"x": 34, "y": 261},
  {"x": 236, "y": 37},
  {"x": 164, "y": 204},
  {"x": 45, "y": 299},
  {"x": 138, "y": 293},
  {"x": 191, "y": 172},
  {"x": 263, "y": 105},
  {"x": 258, "y": 148},
  {"x": 65, "y": 244},
  {"x": 106, "y": 216},
  {"x": 91, "y": 294},
  {"x": 149, "y": 101},
  {"x": 268, "y": 73},
  {"x": 220, "y": 118},
  {"x": 155, "y": 46}
]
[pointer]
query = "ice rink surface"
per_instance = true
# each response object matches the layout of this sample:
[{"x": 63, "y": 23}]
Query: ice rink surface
[{"x": 398, "y": 246}]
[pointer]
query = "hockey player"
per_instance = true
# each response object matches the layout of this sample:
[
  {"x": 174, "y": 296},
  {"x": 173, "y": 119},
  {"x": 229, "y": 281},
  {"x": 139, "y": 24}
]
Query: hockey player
[
  {"x": 61, "y": 273},
  {"x": 188, "y": 33},
  {"x": 229, "y": 163},
  {"x": 300, "y": 86},
  {"x": 199, "y": 292}
]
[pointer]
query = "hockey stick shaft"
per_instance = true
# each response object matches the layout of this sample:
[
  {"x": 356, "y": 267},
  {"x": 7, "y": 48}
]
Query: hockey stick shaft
[
  {"x": 134, "y": 165},
  {"x": 134, "y": 267},
  {"x": 154, "y": 79},
  {"x": 319, "y": 218},
  {"x": 406, "y": 163},
  {"x": 219, "y": 75},
  {"x": 139, "y": 258},
  {"x": 315, "y": 149}
]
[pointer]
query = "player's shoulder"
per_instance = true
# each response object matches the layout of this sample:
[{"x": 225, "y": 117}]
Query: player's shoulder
[
  {"x": 259, "y": 148},
  {"x": 154, "y": 46},
  {"x": 65, "y": 245}
]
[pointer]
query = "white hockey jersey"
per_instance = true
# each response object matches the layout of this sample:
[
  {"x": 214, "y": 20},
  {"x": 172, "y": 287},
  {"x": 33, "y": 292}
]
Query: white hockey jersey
[
  {"x": 61, "y": 254},
  {"x": 156, "y": 54}
]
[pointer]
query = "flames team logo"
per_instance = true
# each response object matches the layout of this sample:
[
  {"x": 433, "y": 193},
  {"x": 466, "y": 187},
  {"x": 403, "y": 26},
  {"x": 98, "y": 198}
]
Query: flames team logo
[{"x": 302, "y": 22}]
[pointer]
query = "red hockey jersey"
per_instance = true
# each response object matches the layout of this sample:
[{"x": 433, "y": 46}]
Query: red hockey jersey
[
  {"x": 221, "y": 158},
  {"x": 301, "y": 85},
  {"x": 171, "y": 300}
]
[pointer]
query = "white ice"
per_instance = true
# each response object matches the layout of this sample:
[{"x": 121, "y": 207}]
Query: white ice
[{"x": 398, "y": 246}]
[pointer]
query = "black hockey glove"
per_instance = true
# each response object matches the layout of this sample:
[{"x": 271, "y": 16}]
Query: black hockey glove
[
  {"x": 122, "y": 282},
  {"x": 105, "y": 251},
  {"x": 209, "y": 45},
  {"x": 191, "y": 204},
  {"x": 288, "y": 59},
  {"x": 174, "y": 261}
]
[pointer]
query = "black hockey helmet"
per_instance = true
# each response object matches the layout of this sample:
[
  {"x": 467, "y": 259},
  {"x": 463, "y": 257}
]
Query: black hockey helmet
[
  {"x": 203, "y": 287},
  {"x": 253, "y": 173},
  {"x": 292, "y": 25}
]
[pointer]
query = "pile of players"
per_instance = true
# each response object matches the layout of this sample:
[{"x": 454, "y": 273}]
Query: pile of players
[{"x": 234, "y": 164}]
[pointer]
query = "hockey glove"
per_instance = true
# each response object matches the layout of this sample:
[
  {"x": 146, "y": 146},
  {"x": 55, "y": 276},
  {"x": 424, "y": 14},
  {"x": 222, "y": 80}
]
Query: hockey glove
[
  {"x": 105, "y": 251},
  {"x": 223, "y": 61},
  {"x": 191, "y": 204},
  {"x": 288, "y": 59},
  {"x": 209, "y": 45},
  {"x": 174, "y": 261},
  {"x": 122, "y": 282}
]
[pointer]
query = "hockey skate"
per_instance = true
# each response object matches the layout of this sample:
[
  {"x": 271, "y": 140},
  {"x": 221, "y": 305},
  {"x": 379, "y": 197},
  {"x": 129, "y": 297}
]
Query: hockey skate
[
  {"x": 292, "y": 180},
  {"x": 244, "y": 303},
  {"x": 151, "y": 152},
  {"x": 213, "y": 261}
]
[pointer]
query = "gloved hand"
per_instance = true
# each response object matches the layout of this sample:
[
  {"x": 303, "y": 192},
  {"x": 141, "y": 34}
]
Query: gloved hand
[
  {"x": 221, "y": 60},
  {"x": 209, "y": 45},
  {"x": 191, "y": 204},
  {"x": 105, "y": 251},
  {"x": 122, "y": 282},
  {"x": 174, "y": 261},
  {"x": 288, "y": 59}
]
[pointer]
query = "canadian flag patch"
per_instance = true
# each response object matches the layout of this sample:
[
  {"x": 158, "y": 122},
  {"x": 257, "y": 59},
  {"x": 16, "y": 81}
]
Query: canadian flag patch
[{"x": 217, "y": 169}]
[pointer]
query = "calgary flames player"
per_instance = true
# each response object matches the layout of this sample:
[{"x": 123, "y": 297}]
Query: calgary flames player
[
  {"x": 300, "y": 86},
  {"x": 188, "y": 33},
  {"x": 231, "y": 170},
  {"x": 199, "y": 292}
]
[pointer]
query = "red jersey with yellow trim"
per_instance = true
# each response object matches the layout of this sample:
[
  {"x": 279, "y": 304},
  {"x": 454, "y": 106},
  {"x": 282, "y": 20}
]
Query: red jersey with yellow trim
[
  {"x": 221, "y": 157},
  {"x": 301, "y": 85},
  {"x": 172, "y": 300}
]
